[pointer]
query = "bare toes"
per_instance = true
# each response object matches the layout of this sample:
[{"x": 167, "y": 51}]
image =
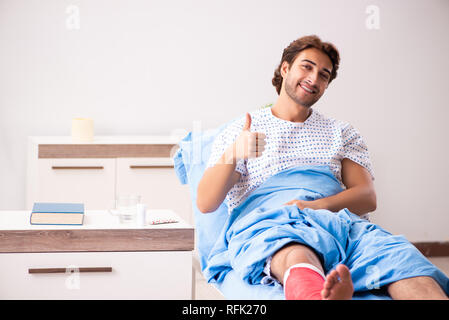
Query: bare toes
[
  {"x": 344, "y": 273},
  {"x": 331, "y": 279},
  {"x": 325, "y": 293}
]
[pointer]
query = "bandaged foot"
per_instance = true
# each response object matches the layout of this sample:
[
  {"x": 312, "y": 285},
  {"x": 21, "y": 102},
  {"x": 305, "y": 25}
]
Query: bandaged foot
[
  {"x": 338, "y": 284},
  {"x": 303, "y": 281}
]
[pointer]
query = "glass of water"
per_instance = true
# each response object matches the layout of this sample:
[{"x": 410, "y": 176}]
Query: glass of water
[{"x": 126, "y": 208}]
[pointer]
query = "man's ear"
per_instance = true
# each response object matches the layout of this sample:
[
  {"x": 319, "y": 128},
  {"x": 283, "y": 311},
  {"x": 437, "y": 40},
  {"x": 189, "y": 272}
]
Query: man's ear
[{"x": 285, "y": 66}]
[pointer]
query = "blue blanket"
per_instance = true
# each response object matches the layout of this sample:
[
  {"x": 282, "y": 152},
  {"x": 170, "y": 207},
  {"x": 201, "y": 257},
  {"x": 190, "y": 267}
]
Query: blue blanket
[{"x": 262, "y": 225}]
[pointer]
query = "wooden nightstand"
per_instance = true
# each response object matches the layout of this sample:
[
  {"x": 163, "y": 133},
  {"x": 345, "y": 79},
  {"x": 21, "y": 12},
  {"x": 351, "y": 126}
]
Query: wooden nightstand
[{"x": 102, "y": 259}]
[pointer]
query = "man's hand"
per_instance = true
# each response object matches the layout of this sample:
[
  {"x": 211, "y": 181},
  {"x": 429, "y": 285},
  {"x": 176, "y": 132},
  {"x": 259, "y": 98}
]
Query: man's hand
[
  {"x": 301, "y": 204},
  {"x": 248, "y": 144},
  {"x": 359, "y": 196}
]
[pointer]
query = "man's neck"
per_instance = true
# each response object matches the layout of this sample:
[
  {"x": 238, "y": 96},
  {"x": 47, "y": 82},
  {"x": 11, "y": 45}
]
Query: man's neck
[{"x": 287, "y": 109}]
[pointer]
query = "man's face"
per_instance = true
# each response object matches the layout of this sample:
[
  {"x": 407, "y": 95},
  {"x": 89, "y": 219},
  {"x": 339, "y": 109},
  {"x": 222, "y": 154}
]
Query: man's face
[{"x": 306, "y": 79}]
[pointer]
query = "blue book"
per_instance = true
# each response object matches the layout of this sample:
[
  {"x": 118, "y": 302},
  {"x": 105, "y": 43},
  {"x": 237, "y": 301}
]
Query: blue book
[{"x": 56, "y": 213}]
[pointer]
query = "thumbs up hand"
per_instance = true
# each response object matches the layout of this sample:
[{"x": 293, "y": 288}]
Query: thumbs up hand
[
  {"x": 247, "y": 125},
  {"x": 248, "y": 144}
]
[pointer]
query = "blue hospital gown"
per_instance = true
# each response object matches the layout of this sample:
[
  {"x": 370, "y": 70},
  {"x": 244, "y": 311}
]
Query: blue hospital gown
[{"x": 317, "y": 141}]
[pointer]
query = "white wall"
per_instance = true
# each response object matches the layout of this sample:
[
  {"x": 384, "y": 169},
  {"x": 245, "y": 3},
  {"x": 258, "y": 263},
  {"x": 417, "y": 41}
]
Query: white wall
[{"x": 151, "y": 67}]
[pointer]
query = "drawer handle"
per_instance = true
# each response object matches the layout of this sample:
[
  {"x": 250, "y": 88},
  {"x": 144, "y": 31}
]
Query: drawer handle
[
  {"x": 77, "y": 167},
  {"x": 151, "y": 167},
  {"x": 69, "y": 270}
]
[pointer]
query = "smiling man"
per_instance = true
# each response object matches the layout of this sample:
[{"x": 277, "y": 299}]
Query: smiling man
[
  {"x": 306, "y": 78},
  {"x": 269, "y": 141}
]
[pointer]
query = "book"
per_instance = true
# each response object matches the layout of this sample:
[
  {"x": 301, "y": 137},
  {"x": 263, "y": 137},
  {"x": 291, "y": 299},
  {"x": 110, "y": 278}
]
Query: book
[{"x": 56, "y": 213}]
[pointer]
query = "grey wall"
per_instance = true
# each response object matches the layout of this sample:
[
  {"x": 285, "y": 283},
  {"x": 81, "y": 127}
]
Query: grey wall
[{"x": 152, "y": 67}]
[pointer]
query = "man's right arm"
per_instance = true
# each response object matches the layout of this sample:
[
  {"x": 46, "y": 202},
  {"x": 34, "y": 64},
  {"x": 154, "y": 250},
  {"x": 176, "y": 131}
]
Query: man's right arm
[
  {"x": 219, "y": 179},
  {"x": 216, "y": 182}
]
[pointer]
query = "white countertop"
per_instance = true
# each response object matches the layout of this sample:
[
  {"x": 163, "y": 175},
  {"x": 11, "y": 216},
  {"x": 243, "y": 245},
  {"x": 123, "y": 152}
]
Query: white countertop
[{"x": 93, "y": 219}]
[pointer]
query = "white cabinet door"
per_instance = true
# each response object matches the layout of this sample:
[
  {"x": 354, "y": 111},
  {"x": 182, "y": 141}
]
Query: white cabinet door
[
  {"x": 155, "y": 180},
  {"x": 133, "y": 275},
  {"x": 89, "y": 181}
]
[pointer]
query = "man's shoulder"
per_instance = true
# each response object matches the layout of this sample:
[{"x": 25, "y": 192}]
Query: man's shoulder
[
  {"x": 238, "y": 123},
  {"x": 333, "y": 122},
  {"x": 232, "y": 128}
]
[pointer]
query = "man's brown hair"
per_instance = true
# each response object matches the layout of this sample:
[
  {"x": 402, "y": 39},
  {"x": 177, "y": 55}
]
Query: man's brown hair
[{"x": 291, "y": 52}]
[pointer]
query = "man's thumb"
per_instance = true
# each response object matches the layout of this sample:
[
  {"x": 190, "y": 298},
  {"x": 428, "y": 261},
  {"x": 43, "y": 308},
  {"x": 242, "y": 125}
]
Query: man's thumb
[{"x": 247, "y": 125}]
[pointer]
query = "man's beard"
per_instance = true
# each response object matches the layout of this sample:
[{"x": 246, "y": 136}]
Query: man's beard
[{"x": 291, "y": 88}]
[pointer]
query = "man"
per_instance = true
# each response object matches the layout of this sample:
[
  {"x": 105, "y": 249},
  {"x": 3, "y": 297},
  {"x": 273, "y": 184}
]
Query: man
[{"x": 291, "y": 133}]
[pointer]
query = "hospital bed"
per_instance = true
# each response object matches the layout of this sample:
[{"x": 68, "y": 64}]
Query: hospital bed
[{"x": 190, "y": 162}]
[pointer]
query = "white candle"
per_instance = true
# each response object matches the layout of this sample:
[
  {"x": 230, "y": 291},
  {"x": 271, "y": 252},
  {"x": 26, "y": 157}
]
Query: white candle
[{"x": 82, "y": 130}]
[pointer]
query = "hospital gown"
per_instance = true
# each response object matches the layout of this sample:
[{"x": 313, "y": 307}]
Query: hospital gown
[{"x": 317, "y": 141}]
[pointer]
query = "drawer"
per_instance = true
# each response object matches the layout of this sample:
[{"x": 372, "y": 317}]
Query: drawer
[
  {"x": 156, "y": 181},
  {"x": 90, "y": 181},
  {"x": 133, "y": 275}
]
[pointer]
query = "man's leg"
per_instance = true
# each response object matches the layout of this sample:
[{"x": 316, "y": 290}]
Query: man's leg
[
  {"x": 417, "y": 288},
  {"x": 337, "y": 285},
  {"x": 290, "y": 255},
  {"x": 378, "y": 259}
]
